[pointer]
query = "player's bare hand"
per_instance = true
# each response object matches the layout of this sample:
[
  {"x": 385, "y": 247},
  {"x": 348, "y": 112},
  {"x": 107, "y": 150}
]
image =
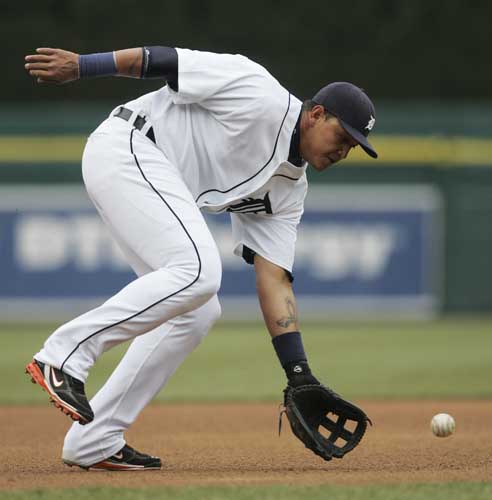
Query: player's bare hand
[{"x": 53, "y": 66}]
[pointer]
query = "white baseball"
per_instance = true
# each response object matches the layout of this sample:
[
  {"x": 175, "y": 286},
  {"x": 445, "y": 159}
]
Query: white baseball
[{"x": 442, "y": 425}]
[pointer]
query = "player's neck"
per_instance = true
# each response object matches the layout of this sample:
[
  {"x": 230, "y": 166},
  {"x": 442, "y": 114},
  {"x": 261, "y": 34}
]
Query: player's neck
[{"x": 295, "y": 156}]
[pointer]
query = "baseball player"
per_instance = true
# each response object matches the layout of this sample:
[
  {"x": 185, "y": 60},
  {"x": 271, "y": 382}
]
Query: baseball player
[{"x": 222, "y": 134}]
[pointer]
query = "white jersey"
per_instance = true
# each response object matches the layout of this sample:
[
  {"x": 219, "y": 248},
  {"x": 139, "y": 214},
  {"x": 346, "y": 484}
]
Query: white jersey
[{"x": 228, "y": 129}]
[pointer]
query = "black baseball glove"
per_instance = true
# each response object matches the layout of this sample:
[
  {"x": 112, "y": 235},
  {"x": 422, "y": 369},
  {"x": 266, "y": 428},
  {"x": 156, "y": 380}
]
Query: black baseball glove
[{"x": 326, "y": 424}]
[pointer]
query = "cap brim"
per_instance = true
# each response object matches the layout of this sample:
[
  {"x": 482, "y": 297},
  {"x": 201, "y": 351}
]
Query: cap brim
[{"x": 361, "y": 139}]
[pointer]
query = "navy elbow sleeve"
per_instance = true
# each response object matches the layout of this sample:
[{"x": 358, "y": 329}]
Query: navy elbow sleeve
[{"x": 161, "y": 62}]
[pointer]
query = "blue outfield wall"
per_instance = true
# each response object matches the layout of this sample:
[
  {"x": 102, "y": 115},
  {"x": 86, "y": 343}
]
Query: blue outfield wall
[
  {"x": 457, "y": 131},
  {"x": 362, "y": 250}
]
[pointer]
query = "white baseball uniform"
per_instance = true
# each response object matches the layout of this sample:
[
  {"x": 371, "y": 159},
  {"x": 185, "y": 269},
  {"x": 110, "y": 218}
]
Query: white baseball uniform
[{"x": 221, "y": 143}]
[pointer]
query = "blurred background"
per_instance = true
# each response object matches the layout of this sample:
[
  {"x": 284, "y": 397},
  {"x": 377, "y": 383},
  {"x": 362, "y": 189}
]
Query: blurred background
[
  {"x": 400, "y": 246},
  {"x": 407, "y": 235},
  {"x": 404, "y": 241}
]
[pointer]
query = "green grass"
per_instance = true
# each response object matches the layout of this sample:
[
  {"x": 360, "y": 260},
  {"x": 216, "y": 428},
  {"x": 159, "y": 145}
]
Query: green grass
[
  {"x": 450, "y": 358},
  {"x": 454, "y": 491}
]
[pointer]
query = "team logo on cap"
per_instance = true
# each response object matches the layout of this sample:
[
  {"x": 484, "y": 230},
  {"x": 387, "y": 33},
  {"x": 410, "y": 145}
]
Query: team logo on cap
[{"x": 370, "y": 123}]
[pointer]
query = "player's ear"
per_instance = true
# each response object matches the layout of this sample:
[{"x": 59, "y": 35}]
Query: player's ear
[{"x": 317, "y": 113}]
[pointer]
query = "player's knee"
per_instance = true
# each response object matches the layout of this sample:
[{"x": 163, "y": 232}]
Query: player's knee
[
  {"x": 214, "y": 311},
  {"x": 210, "y": 272},
  {"x": 205, "y": 317},
  {"x": 200, "y": 272}
]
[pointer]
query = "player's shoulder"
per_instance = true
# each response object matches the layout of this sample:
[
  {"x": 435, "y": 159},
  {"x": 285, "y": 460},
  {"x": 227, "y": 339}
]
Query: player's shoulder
[
  {"x": 221, "y": 61},
  {"x": 214, "y": 59},
  {"x": 269, "y": 93}
]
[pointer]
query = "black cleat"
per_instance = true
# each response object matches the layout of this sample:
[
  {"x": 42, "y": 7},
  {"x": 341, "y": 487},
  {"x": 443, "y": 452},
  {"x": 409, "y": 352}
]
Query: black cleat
[
  {"x": 127, "y": 459},
  {"x": 67, "y": 393}
]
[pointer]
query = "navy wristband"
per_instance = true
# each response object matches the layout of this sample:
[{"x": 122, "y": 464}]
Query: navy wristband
[
  {"x": 97, "y": 65},
  {"x": 289, "y": 348}
]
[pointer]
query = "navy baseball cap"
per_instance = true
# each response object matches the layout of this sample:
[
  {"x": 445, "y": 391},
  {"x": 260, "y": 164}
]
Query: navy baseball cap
[{"x": 353, "y": 108}]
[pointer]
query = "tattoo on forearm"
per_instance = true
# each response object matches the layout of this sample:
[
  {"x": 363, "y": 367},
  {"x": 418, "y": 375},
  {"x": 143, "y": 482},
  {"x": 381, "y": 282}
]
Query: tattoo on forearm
[{"x": 291, "y": 317}]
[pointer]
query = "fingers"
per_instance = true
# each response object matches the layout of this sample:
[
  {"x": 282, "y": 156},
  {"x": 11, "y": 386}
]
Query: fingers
[
  {"x": 46, "y": 50},
  {"x": 49, "y": 65},
  {"x": 37, "y": 65},
  {"x": 43, "y": 73},
  {"x": 41, "y": 65},
  {"x": 43, "y": 76},
  {"x": 38, "y": 58},
  {"x": 43, "y": 54}
]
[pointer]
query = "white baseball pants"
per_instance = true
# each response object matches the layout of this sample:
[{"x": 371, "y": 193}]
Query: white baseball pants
[{"x": 150, "y": 212}]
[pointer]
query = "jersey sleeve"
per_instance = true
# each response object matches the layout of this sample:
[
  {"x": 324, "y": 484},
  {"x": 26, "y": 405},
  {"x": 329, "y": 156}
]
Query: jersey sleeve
[
  {"x": 219, "y": 81},
  {"x": 273, "y": 237}
]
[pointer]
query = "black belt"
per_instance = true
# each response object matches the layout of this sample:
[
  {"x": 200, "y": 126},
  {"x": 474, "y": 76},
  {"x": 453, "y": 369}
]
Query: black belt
[{"x": 138, "y": 123}]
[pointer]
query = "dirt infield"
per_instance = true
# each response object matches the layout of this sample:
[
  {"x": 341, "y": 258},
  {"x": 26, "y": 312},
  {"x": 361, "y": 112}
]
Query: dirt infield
[{"x": 238, "y": 444}]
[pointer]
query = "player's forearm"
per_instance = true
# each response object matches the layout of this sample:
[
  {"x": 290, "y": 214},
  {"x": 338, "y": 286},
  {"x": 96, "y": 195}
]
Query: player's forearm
[
  {"x": 57, "y": 66},
  {"x": 128, "y": 62},
  {"x": 277, "y": 300},
  {"x": 279, "y": 310},
  {"x": 125, "y": 62}
]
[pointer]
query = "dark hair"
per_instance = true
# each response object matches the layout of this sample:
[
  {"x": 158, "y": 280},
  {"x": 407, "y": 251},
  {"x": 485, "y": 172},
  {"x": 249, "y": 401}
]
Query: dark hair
[{"x": 309, "y": 104}]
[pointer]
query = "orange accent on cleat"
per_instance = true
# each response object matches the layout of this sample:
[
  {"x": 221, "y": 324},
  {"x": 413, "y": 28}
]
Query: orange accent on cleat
[
  {"x": 36, "y": 375},
  {"x": 38, "y": 378}
]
